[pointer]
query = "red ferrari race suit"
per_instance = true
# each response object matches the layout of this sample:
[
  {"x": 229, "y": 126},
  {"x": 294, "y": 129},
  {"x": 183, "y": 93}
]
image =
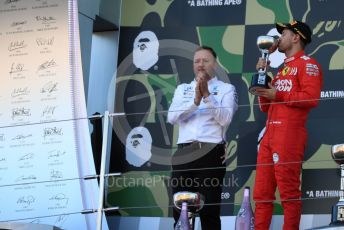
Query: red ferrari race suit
[{"x": 281, "y": 150}]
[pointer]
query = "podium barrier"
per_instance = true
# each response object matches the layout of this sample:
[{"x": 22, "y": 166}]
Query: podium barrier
[
  {"x": 102, "y": 171},
  {"x": 102, "y": 175}
]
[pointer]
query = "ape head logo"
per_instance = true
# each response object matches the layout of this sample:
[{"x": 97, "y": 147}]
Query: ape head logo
[
  {"x": 145, "y": 50},
  {"x": 138, "y": 146}
]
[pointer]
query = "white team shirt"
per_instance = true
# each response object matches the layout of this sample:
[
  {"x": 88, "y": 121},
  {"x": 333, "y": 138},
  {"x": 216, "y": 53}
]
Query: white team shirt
[{"x": 207, "y": 122}]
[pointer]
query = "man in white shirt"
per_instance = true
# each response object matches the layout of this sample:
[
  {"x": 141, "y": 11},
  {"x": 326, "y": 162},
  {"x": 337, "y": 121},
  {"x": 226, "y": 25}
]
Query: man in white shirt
[{"x": 203, "y": 110}]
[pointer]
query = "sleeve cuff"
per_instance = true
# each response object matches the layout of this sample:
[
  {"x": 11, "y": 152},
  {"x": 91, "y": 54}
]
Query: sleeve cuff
[
  {"x": 193, "y": 106},
  {"x": 210, "y": 101}
]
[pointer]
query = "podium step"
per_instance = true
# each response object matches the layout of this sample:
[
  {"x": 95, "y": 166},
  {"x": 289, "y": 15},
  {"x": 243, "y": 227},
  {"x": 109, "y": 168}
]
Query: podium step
[{"x": 26, "y": 226}]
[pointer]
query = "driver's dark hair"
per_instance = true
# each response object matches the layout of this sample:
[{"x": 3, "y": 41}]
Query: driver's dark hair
[{"x": 207, "y": 48}]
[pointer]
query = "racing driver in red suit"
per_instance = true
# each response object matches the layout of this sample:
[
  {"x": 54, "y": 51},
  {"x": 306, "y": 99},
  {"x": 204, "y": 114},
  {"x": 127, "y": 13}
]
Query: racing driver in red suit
[{"x": 293, "y": 92}]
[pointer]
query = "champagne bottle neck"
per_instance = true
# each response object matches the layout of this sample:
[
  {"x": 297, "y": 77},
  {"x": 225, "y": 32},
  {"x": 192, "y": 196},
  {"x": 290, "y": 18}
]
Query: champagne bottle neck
[
  {"x": 247, "y": 192},
  {"x": 184, "y": 206},
  {"x": 246, "y": 198}
]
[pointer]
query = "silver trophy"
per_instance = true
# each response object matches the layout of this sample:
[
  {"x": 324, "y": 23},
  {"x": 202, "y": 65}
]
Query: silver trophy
[
  {"x": 338, "y": 209},
  {"x": 194, "y": 200},
  {"x": 267, "y": 45}
]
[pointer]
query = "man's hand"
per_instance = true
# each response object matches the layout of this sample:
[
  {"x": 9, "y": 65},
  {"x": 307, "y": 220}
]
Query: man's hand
[
  {"x": 201, "y": 90},
  {"x": 198, "y": 94},
  {"x": 267, "y": 93},
  {"x": 203, "y": 83},
  {"x": 261, "y": 64},
  {"x": 204, "y": 87}
]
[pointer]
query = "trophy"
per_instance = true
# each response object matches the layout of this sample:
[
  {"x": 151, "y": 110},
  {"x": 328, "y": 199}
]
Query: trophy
[
  {"x": 338, "y": 209},
  {"x": 193, "y": 201},
  {"x": 267, "y": 45}
]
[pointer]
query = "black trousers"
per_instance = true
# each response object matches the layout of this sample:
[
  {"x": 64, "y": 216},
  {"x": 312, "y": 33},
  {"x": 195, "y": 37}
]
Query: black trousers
[{"x": 198, "y": 168}]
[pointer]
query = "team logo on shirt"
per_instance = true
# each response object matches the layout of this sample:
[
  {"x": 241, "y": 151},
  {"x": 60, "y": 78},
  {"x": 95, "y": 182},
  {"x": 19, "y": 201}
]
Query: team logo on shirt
[
  {"x": 284, "y": 85},
  {"x": 285, "y": 70},
  {"x": 312, "y": 69},
  {"x": 293, "y": 71},
  {"x": 215, "y": 90},
  {"x": 304, "y": 57},
  {"x": 289, "y": 71},
  {"x": 188, "y": 91}
]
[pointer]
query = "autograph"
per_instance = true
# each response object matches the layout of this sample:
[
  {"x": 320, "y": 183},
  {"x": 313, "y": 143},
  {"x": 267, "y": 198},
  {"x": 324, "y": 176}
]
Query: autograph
[
  {"x": 17, "y": 92},
  {"x": 28, "y": 156},
  {"x": 45, "y": 41},
  {"x": 47, "y": 65},
  {"x": 55, "y": 174},
  {"x": 54, "y": 131},
  {"x": 56, "y": 154},
  {"x": 26, "y": 178},
  {"x": 48, "y": 111},
  {"x": 60, "y": 199},
  {"x": 21, "y": 137},
  {"x": 49, "y": 87},
  {"x": 45, "y": 18},
  {"x": 20, "y": 112},
  {"x": 26, "y": 201},
  {"x": 16, "y": 68},
  {"x": 19, "y": 23},
  {"x": 16, "y": 45},
  {"x": 11, "y": 1}
]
